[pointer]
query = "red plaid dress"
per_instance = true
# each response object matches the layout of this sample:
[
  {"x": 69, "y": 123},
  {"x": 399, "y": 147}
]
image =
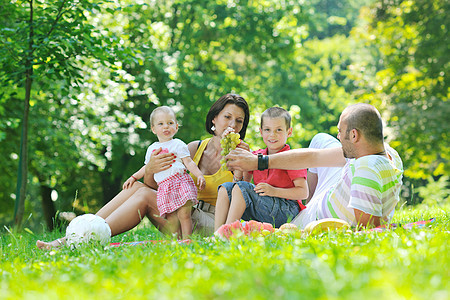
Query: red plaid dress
[{"x": 174, "y": 192}]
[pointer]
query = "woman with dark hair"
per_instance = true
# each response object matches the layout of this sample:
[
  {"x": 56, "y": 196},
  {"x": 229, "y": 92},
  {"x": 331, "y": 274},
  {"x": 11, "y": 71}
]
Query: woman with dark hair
[
  {"x": 228, "y": 114},
  {"x": 219, "y": 105}
]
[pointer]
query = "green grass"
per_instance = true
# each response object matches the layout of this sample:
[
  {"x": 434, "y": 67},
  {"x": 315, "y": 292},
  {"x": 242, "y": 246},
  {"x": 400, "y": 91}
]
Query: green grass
[{"x": 396, "y": 264}]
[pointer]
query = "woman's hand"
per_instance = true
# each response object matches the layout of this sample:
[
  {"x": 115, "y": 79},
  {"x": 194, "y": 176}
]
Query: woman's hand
[{"x": 159, "y": 162}]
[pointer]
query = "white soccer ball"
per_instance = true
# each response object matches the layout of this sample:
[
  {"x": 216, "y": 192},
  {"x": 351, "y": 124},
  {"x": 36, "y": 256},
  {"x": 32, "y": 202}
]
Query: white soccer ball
[{"x": 86, "y": 228}]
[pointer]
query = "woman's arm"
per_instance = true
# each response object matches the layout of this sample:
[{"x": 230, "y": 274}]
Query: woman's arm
[
  {"x": 158, "y": 162},
  {"x": 192, "y": 147}
]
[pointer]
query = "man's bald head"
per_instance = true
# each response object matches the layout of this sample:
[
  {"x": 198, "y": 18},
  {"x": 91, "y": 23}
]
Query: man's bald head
[{"x": 366, "y": 119}]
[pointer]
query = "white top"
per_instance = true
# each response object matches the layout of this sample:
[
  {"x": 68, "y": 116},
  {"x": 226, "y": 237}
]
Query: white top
[{"x": 175, "y": 146}]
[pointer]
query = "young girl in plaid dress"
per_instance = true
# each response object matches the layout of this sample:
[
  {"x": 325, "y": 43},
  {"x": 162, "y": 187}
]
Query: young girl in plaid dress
[{"x": 176, "y": 190}]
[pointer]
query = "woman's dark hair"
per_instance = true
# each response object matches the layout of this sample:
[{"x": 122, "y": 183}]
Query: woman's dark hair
[{"x": 218, "y": 106}]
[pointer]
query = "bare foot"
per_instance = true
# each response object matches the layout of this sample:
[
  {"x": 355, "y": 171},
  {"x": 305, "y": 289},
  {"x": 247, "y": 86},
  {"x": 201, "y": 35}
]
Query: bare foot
[{"x": 50, "y": 245}]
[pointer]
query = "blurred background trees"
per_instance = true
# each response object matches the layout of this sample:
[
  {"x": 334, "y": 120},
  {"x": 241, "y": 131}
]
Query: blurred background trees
[{"x": 117, "y": 60}]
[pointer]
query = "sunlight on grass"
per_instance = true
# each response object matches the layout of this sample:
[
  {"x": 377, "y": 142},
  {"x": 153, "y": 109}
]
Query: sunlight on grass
[{"x": 396, "y": 264}]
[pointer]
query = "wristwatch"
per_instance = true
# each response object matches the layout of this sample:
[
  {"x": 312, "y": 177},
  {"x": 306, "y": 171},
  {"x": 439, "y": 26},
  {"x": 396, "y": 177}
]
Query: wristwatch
[{"x": 263, "y": 162}]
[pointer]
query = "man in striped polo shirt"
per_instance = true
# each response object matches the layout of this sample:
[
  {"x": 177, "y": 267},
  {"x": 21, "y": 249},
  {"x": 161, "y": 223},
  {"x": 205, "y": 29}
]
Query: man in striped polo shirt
[{"x": 356, "y": 179}]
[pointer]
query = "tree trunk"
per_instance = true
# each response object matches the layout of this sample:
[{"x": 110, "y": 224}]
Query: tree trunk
[
  {"x": 23, "y": 161},
  {"x": 48, "y": 207},
  {"x": 111, "y": 186}
]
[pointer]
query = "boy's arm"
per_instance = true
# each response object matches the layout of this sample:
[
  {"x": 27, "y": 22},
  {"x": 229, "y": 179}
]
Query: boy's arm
[
  {"x": 248, "y": 176},
  {"x": 294, "y": 159},
  {"x": 298, "y": 192}
]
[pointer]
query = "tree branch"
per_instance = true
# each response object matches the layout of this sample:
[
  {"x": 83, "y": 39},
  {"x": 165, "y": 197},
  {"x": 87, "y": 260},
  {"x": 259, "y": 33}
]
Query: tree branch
[{"x": 58, "y": 16}]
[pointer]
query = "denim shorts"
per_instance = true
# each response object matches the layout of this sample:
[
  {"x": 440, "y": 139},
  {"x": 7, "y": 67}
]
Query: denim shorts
[{"x": 273, "y": 210}]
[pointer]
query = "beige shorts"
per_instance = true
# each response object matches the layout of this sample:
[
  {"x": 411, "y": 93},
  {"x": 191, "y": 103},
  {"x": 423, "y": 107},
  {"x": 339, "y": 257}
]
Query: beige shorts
[{"x": 203, "y": 218}]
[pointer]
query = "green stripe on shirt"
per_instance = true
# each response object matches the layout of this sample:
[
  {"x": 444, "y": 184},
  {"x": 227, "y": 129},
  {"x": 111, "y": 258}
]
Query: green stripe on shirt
[
  {"x": 367, "y": 182},
  {"x": 330, "y": 207},
  {"x": 388, "y": 185}
]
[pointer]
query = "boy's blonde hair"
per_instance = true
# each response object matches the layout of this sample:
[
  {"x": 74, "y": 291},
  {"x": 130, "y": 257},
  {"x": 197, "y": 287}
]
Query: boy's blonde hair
[
  {"x": 162, "y": 109},
  {"x": 277, "y": 112}
]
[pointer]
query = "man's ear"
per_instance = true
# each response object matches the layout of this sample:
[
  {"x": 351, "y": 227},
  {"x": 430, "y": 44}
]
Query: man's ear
[{"x": 355, "y": 135}]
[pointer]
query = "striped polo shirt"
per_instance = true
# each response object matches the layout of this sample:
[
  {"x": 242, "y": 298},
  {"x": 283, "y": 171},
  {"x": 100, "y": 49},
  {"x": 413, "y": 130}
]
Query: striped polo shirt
[{"x": 370, "y": 183}]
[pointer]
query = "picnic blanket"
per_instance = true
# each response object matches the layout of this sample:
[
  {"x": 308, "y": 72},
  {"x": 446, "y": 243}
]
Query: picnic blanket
[
  {"x": 418, "y": 224},
  {"x": 186, "y": 241},
  {"x": 382, "y": 228}
]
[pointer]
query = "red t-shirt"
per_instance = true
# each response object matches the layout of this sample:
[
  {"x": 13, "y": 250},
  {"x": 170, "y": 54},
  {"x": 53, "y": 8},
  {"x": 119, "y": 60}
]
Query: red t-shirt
[{"x": 276, "y": 177}]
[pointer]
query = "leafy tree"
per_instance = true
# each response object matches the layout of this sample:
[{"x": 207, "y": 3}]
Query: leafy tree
[
  {"x": 327, "y": 18},
  {"x": 412, "y": 40},
  {"x": 201, "y": 50},
  {"x": 42, "y": 43}
]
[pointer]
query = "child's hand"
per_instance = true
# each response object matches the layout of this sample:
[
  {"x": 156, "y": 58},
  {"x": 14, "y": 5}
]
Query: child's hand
[
  {"x": 129, "y": 183},
  {"x": 201, "y": 182},
  {"x": 264, "y": 189}
]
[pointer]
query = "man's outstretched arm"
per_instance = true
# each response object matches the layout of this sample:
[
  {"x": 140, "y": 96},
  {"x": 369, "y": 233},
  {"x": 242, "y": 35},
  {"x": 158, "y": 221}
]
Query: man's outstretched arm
[{"x": 295, "y": 159}]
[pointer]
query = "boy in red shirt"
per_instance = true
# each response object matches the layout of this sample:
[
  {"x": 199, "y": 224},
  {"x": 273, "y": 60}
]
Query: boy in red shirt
[{"x": 276, "y": 195}]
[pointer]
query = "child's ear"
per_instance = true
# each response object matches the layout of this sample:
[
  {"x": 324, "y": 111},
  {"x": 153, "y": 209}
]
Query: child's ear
[
  {"x": 153, "y": 130},
  {"x": 260, "y": 131},
  {"x": 289, "y": 132}
]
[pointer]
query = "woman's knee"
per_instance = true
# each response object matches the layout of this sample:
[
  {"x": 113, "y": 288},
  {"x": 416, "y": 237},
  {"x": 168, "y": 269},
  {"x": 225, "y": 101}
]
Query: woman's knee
[{"x": 146, "y": 194}]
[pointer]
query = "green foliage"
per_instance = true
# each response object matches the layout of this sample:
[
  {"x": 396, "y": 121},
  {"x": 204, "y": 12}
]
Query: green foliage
[
  {"x": 404, "y": 264},
  {"x": 45, "y": 42},
  {"x": 411, "y": 81},
  {"x": 435, "y": 192},
  {"x": 59, "y": 35},
  {"x": 327, "y": 18},
  {"x": 201, "y": 50}
]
